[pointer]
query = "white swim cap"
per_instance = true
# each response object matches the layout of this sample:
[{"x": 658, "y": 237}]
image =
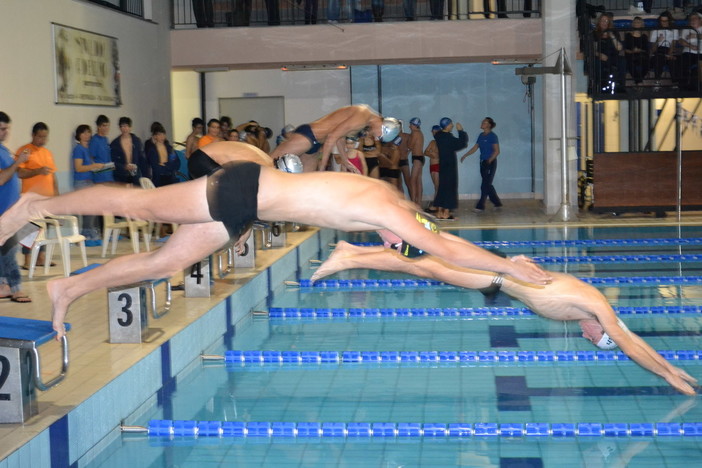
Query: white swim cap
[
  {"x": 289, "y": 163},
  {"x": 390, "y": 129},
  {"x": 606, "y": 342}
]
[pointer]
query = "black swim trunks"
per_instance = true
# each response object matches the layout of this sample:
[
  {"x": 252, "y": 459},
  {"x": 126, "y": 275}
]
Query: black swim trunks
[
  {"x": 232, "y": 196},
  {"x": 404, "y": 162},
  {"x": 200, "y": 164},
  {"x": 372, "y": 163},
  {"x": 418, "y": 159},
  {"x": 409, "y": 250},
  {"x": 306, "y": 131},
  {"x": 389, "y": 173}
]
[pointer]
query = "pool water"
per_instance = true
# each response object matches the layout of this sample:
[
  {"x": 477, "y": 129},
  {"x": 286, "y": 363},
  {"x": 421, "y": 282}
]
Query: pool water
[{"x": 441, "y": 392}]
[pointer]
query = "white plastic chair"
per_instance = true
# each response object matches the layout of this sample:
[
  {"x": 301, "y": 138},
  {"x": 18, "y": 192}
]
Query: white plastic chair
[
  {"x": 113, "y": 228},
  {"x": 61, "y": 231},
  {"x": 148, "y": 184}
]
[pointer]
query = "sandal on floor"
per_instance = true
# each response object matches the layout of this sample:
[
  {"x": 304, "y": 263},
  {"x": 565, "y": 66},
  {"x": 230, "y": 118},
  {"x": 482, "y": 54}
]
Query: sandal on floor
[{"x": 21, "y": 299}]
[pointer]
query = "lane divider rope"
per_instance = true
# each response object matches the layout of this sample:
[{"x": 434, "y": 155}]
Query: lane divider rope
[
  {"x": 385, "y": 430},
  {"x": 449, "y": 312}
]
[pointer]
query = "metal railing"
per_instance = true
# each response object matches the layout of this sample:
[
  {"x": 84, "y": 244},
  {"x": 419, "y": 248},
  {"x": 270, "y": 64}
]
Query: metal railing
[
  {"x": 669, "y": 71},
  {"x": 130, "y": 7},
  {"x": 223, "y": 13}
]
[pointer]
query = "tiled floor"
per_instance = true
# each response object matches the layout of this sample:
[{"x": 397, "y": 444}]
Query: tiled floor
[{"x": 94, "y": 361}]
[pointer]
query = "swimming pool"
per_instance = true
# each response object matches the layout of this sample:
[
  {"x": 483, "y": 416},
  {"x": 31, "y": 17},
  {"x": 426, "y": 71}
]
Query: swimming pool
[{"x": 436, "y": 391}]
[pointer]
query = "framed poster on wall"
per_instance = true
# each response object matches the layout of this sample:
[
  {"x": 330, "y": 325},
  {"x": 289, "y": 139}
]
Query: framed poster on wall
[{"x": 86, "y": 67}]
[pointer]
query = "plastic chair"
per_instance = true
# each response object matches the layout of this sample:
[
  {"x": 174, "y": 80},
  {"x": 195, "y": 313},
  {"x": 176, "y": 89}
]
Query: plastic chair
[
  {"x": 113, "y": 228},
  {"x": 148, "y": 184},
  {"x": 61, "y": 231}
]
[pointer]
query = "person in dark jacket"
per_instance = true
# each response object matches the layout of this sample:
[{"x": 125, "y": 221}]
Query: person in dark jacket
[
  {"x": 163, "y": 161},
  {"x": 447, "y": 144},
  {"x": 128, "y": 155}
]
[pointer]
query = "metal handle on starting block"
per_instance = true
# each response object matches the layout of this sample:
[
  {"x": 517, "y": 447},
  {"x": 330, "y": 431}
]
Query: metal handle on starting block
[{"x": 37, "y": 367}]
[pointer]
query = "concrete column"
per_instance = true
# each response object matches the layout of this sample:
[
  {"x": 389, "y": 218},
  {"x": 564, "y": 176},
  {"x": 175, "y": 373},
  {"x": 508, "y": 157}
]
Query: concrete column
[{"x": 560, "y": 30}]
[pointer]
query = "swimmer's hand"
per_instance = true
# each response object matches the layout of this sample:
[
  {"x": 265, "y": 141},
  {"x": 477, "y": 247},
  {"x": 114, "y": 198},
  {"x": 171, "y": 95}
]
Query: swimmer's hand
[
  {"x": 681, "y": 381},
  {"x": 240, "y": 245},
  {"x": 352, "y": 169},
  {"x": 524, "y": 268}
]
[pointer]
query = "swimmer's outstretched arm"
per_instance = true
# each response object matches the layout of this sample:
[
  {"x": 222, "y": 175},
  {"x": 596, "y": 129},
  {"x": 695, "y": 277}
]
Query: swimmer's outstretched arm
[
  {"x": 462, "y": 253},
  {"x": 643, "y": 354}
]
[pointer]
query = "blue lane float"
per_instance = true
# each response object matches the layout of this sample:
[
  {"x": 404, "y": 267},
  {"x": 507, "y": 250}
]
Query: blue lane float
[
  {"x": 578, "y": 243},
  {"x": 275, "y": 359},
  {"x": 322, "y": 313},
  {"x": 398, "y": 430},
  {"x": 410, "y": 283},
  {"x": 592, "y": 259}
]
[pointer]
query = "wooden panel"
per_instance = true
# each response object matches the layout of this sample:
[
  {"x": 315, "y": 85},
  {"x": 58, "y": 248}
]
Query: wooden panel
[{"x": 646, "y": 180}]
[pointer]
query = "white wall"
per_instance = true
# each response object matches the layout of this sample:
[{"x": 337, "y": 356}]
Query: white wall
[{"x": 27, "y": 83}]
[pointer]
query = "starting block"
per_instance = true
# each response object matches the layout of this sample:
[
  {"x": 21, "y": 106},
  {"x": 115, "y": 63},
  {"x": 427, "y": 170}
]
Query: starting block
[
  {"x": 276, "y": 235},
  {"x": 198, "y": 279},
  {"x": 20, "y": 366},
  {"x": 248, "y": 258},
  {"x": 229, "y": 253},
  {"x": 127, "y": 309}
]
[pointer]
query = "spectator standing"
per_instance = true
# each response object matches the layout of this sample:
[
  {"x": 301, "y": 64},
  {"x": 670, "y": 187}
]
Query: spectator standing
[
  {"x": 198, "y": 125},
  {"x": 128, "y": 155},
  {"x": 83, "y": 168},
  {"x": 447, "y": 194},
  {"x": 161, "y": 156},
  {"x": 213, "y": 130},
  {"x": 38, "y": 174},
  {"x": 432, "y": 153},
  {"x": 416, "y": 147},
  {"x": 100, "y": 151},
  {"x": 10, "y": 278},
  {"x": 489, "y": 146}
]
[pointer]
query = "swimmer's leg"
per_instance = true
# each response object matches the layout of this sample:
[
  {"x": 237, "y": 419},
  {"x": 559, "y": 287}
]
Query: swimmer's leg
[
  {"x": 158, "y": 205},
  {"x": 294, "y": 144},
  {"x": 188, "y": 245}
]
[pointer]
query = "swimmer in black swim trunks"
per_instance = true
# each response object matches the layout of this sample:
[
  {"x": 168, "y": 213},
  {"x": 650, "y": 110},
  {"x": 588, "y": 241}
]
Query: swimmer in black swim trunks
[
  {"x": 331, "y": 130},
  {"x": 210, "y": 210},
  {"x": 566, "y": 298}
]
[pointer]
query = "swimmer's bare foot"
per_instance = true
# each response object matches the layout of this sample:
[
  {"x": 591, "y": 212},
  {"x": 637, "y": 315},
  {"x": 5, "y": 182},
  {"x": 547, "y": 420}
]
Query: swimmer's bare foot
[
  {"x": 19, "y": 214},
  {"x": 335, "y": 262},
  {"x": 59, "y": 304}
]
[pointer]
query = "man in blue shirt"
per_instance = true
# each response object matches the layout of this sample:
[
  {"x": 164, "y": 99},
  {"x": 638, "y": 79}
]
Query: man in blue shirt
[
  {"x": 10, "y": 279},
  {"x": 99, "y": 149}
]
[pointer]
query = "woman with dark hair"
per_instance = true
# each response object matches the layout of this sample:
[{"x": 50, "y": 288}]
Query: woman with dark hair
[
  {"x": 608, "y": 66},
  {"x": 161, "y": 157},
  {"x": 83, "y": 168},
  {"x": 662, "y": 47},
  {"x": 489, "y": 146}
]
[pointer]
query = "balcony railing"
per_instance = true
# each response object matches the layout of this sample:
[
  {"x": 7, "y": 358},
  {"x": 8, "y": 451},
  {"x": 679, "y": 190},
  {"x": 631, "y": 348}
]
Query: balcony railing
[
  {"x": 223, "y": 13},
  {"x": 619, "y": 67},
  {"x": 130, "y": 7}
]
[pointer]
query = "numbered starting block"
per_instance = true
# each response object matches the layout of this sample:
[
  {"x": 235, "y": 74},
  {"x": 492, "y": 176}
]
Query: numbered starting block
[
  {"x": 128, "y": 307},
  {"x": 198, "y": 279},
  {"x": 20, "y": 366}
]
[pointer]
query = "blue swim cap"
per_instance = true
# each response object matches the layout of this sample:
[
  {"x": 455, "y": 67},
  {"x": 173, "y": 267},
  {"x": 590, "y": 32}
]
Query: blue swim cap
[
  {"x": 416, "y": 122},
  {"x": 445, "y": 122},
  {"x": 435, "y": 128}
]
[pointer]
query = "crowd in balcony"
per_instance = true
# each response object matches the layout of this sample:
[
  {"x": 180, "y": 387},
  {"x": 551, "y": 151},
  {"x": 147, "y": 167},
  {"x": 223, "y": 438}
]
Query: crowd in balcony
[{"x": 632, "y": 56}]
